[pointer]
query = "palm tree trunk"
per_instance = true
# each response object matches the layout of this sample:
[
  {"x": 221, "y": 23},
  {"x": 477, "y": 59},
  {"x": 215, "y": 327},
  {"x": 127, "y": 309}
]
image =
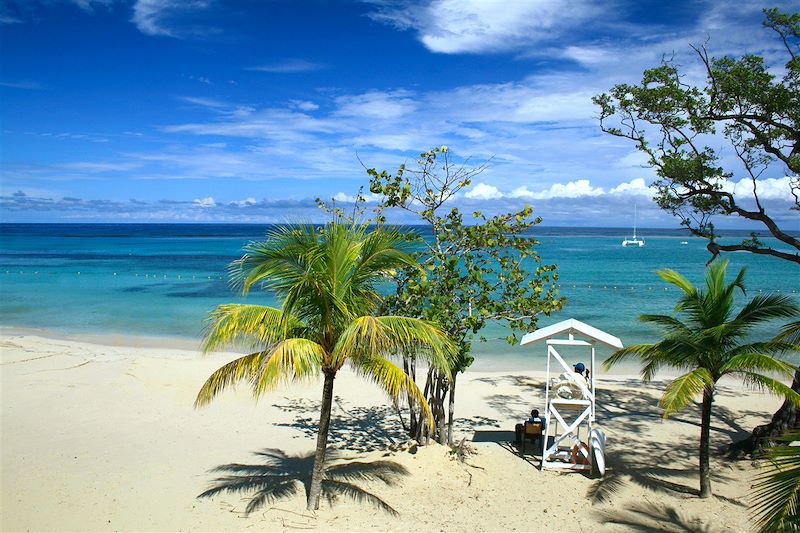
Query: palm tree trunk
[
  {"x": 315, "y": 490},
  {"x": 705, "y": 438}
]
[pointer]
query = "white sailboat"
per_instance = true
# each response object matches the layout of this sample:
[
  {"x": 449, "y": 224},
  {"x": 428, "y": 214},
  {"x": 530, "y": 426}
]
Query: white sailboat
[{"x": 633, "y": 241}]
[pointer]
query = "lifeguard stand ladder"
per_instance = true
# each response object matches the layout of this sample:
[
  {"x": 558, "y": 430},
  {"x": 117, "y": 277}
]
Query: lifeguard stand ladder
[{"x": 568, "y": 415}]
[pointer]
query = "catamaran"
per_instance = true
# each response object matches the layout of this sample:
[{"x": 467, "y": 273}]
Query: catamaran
[{"x": 633, "y": 241}]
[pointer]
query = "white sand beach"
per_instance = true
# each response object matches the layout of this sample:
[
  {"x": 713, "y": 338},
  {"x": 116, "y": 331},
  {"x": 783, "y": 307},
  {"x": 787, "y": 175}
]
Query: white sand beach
[{"x": 106, "y": 438}]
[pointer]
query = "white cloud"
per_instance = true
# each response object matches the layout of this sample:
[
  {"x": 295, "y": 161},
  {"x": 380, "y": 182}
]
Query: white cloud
[
  {"x": 379, "y": 105},
  {"x": 205, "y": 202},
  {"x": 346, "y": 198},
  {"x": 482, "y": 191},
  {"x": 304, "y": 105},
  {"x": 208, "y": 103},
  {"x": 571, "y": 189},
  {"x": 474, "y": 26},
  {"x": 635, "y": 187},
  {"x": 521, "y": 192},
  {"x": 155, "y": 17},
  {"x": 243, "y": 203},
  {"x": 589, "y": 55},
  {"x": 768, "y": 189}
]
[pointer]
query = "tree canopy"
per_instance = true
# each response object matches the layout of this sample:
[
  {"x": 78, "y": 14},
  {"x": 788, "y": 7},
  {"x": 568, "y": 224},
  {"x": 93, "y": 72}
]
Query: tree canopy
[
  {"x": 476, "y": 269},
  {"x": 745, "y": 115}
]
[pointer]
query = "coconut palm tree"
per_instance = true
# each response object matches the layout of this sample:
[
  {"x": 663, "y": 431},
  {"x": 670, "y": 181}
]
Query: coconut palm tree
[
  {"x": 327, "y": 278},
  {"x": 708, "y": 343}
]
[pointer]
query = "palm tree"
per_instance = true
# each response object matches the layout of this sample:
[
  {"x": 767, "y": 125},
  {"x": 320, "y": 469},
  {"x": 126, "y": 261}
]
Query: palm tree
[
  {"x": 327, "y": 278},
  {"x": 708, "y": 344}
]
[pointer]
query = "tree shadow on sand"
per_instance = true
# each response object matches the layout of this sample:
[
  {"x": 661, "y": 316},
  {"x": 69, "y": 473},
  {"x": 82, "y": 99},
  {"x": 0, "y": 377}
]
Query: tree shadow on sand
[
  {"x": 641, "y": 460},
  {"x": 641, "y": 517},
  {"x": 352, "y": 427},
  {"x": 281, "y": 476}
]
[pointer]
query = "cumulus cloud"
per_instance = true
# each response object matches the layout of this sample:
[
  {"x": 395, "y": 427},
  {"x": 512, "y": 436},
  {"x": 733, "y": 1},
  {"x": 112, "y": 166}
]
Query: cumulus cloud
[
  {"x": 346, "y": 198},
  {"x": 767, "y": 189},
  {"x": 482, "y": 191},
  {"x": 205, "y": 203},
  {"x": 571, "y": 189},
  {"x": 244, "y": 203},
  {"x": 635, "y": 187}
]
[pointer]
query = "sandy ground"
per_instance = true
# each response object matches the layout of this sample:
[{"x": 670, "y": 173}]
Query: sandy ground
[{"x": 98, "y": 438}]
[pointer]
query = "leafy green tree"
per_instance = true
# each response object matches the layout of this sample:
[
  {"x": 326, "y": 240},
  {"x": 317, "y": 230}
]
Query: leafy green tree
[
  {"x": 475, "y": 271},
  {"x": 777, "y": 492},
  {"x": 708, "y": 343},
  {"x": 327, "y": 278},
  {"x": 677, "y": 126}
]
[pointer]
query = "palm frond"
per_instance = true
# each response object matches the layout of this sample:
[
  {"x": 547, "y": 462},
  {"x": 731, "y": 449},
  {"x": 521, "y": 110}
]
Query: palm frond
[
  {"x": 775, "y": 497},
  {"x": 387, "y": 336},
  {"x": 629, "y": 352},
  {"x": 684, "y": 389},
  {"x": 382, "y": 253},
  {"x": 279, "y": 261},
  {"x": 672, "y": 277},
  {"x": 290, "y": 360},
  {"x": 762, "y": 308},
  {"x": 242, "y": 368},
  {"x": 677, "y": 352},
  {"x": 766, "y": 383},
  {"x": 250, "y": 326},
  {"x": 790, "y": 333},
  {"x": 669, "y": 325},
  {"x": 393, "y": 380},
  {"x": 754, "y": 357}
]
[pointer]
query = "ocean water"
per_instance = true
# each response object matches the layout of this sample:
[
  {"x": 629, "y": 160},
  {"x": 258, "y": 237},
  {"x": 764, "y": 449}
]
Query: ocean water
[{"x": 161, "y": 280}]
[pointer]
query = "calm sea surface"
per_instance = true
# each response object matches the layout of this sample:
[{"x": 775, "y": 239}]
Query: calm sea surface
[{"x": 161, "y": 280}]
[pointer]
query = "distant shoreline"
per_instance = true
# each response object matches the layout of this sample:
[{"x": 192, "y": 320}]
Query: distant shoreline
[{"x": 576, "y": 229}]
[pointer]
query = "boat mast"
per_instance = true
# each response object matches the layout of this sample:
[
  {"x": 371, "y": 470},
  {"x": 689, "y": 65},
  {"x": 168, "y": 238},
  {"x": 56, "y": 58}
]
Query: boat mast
[{"x": 634, "y": 222}]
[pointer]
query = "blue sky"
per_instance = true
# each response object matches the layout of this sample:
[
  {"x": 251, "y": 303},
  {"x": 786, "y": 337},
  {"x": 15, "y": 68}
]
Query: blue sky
[{"x": 245, "y": 111}]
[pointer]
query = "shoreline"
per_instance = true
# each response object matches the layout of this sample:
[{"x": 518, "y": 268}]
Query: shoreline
[{"x": 483, "y": 362}]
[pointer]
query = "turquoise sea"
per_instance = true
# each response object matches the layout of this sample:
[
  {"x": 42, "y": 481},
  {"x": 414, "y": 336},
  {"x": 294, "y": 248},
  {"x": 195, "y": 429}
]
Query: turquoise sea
[{"x": 131, "y": 281}]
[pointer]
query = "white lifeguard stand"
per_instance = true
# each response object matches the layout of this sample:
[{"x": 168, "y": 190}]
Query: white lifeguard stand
[{"x": 570, "y": 415}]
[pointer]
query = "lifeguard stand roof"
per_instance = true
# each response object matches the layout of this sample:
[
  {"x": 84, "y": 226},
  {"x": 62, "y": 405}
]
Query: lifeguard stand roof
[{"x": 572, "y": 327}]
